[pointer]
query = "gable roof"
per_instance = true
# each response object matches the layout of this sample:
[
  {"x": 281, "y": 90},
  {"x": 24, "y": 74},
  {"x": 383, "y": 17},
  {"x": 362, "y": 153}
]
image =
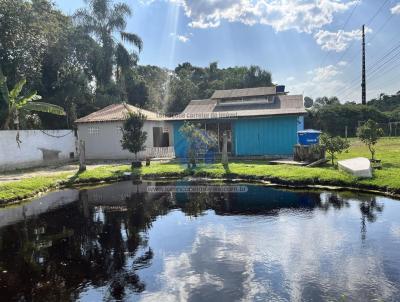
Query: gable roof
[
  {"x": 116, "y": 112},
  {"x": 211, "y": 109},
  {"x": 246, "y": 92}
]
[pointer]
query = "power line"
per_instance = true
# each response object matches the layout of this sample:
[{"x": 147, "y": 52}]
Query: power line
[
  {"x": 374, "y": 35},
  {"x": 367, "y": 24},
  {"x": 387, "y": 72},
  {"x": 374, "y": 66},
  {"x": 377, "y": 12},
  {"x": 394, "y": 59},
  {"x": 343, "y": 27}
]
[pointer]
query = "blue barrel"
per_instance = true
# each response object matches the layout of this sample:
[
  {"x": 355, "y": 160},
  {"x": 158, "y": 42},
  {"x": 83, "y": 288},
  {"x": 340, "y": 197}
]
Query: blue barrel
[{"x": 308, "y": 137}]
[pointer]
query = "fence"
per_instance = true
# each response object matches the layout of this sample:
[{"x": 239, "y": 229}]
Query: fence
[
  {"x": 157, "y": 152},
  {"x": 37, "y": 148},
  {"x": 391, "y": 129}
]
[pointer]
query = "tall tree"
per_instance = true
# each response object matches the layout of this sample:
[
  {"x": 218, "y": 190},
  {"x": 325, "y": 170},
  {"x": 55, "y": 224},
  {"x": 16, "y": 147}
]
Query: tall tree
[
  {"x": 27, "y": 29},
  {"x": 107, "y": 22}
]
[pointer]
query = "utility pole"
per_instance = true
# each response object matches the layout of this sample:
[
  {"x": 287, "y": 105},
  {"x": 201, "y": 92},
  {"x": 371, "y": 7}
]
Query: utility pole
[{"x": 363, "y": 84}]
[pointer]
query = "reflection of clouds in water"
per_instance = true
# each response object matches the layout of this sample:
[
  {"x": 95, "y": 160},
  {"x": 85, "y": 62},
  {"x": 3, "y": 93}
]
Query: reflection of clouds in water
[
  {"x": 395, "y": 230},
  {"x": 219, "y": 268},
  {"x": 292, "y": 261}
]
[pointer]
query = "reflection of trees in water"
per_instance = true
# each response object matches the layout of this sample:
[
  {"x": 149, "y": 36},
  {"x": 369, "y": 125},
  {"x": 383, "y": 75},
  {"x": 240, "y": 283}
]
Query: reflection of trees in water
[
  {"x": 370, "y": 209},
  {"x": 333, "y": 200},
  {"x": 49, "y": 257}
]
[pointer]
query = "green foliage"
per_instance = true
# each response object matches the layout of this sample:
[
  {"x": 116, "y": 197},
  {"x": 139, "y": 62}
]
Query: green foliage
[
  {"x": 133, "y": 137},
  {"x": 197, "y": 141},
  {"x": 27, "y": 30},
  {"x": 369, "y": 134},
  {"x": 155, "y": 79},
  {"x": 191, "y": 82},
  {"x": 333, "y": 118},
  {"x": 308, "y": 102},
  {"x": 325, "y": 101},
  {"x": 106, "y": 21},
  {"x": 333, "y": 145},
  {"x": 4, "y": 102},
  {"x": 18, "y": 104},
  {"x": 386, "y": 103}
]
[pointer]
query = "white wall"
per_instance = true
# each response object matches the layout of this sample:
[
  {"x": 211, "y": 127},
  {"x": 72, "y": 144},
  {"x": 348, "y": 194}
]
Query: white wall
[
  {"x": 106, "y": 142},
  {"x": 29, "y": 153},
  {"x": 43, "y": 204}
]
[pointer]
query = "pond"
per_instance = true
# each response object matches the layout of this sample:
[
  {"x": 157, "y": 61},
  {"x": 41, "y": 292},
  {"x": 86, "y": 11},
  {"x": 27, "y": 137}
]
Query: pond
[{"x": 183, "y": 241}]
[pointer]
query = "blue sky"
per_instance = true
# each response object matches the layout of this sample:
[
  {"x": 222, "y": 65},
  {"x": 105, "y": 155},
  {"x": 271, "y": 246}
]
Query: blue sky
[{"x": 313, "y": 47}]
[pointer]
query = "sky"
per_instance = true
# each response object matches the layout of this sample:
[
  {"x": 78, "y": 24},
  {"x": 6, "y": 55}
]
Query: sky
[{"x": 311, "y": 46}]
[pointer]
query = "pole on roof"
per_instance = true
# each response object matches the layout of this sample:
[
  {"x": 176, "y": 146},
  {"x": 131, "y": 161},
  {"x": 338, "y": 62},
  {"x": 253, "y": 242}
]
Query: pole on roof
[{"x": 363, "y": 84}]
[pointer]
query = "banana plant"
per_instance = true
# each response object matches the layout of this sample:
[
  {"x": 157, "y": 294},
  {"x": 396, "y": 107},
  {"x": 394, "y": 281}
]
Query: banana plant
[{"x": 17, "y": 104}]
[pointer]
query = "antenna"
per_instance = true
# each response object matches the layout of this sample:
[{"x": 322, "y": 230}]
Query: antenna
[{"x": 363, "y": 84}]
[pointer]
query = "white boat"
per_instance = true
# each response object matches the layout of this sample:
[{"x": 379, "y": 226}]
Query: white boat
[{"x": 359, "y": 167}]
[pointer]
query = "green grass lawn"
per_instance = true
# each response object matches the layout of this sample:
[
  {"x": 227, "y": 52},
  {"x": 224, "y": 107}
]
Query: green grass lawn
[
  {"x": 388, "y": 150},
  {"x": 29, "y": 187}
]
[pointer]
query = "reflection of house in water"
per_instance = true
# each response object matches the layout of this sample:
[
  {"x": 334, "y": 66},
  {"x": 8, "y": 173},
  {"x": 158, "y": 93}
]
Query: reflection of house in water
[
  {"x": 118, "y": 196},
  {"x": 43, "y": 204},
  {"x": 258, "y": 200}
]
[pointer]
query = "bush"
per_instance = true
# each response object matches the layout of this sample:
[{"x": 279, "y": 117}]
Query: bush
[
  {"x": 369, "y": 134},
  {"x": 333, "y": 145}
]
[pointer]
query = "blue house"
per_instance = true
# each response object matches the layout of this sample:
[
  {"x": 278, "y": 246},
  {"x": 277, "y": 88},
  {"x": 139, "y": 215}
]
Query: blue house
[{"x": 259, "y": 121}]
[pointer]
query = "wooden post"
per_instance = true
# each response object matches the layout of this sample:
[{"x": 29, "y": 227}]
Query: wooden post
[
  {"x": 82, "y": 162},
  {"x": 225, "y": 149},
  {"x": 345, "y": 131}
]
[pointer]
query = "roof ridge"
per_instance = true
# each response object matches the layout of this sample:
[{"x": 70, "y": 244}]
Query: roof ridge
[{"x": 116, "y": 112}]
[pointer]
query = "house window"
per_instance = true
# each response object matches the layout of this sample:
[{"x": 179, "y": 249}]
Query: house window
[
  {"x": 94, "y": 131},
  {"x": 160, "y": 137}
]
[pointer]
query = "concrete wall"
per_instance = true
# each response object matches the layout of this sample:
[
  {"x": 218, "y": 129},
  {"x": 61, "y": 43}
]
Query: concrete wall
[
  {"x": 37, "y": 148},
  {"x": 43, "y": 204},
  {"x": 103, "y": 140}
]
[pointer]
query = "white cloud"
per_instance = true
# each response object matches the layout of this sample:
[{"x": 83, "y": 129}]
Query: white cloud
[
  {"x": 290, "y": 79},
  {"x": 324, "y": 73},
  {"x": 395, "y": 10},
  {"x": 321, "y": 81},
  {"x": 337, "y": 41},
  {"x": 181, "y": 38},
  {"x": 300, "y": 15}
]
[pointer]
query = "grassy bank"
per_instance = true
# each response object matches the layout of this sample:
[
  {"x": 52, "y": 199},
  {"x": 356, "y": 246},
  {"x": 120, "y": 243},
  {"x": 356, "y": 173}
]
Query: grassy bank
[{"x": 385, "y": 180}]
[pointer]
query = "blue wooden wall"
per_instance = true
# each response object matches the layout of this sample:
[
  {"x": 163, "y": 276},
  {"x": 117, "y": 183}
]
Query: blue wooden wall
[
  {"x": 265, "y": 136},
  {"x": 255, "y": 136},
  {"x": 180, "y": 145}
]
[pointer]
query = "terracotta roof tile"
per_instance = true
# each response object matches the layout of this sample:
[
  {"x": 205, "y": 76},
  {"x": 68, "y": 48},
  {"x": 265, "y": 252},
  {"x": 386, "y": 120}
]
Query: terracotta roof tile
[{"x": 116, "y": 112}]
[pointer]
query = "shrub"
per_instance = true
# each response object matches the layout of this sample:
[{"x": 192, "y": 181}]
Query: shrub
[
  {"x": 333, "y": 145},
  {"x": 369, "y": 134}
]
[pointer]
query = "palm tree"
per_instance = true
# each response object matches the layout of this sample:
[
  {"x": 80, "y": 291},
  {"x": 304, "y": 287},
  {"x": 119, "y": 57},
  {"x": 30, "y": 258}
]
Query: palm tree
[
  {"x": 105, "y": 21},
  {"x": 16, "y": 104}
]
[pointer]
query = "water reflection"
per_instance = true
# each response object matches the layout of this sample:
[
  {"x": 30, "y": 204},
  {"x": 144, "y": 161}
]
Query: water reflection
[{"x": 119, "y": 243}]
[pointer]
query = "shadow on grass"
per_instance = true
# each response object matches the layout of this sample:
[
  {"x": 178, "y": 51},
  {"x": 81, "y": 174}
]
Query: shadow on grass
[
  {"x": 73, "y": 179},
  {"x": 227, "y": 169}
]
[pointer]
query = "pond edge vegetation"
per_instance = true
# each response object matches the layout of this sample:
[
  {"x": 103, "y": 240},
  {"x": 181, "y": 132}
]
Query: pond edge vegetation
[{"x": 19, "y": 191}]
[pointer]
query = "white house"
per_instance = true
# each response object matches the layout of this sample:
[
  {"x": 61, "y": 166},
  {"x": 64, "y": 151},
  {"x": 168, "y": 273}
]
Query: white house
[{"x": 101, "y": 132}]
